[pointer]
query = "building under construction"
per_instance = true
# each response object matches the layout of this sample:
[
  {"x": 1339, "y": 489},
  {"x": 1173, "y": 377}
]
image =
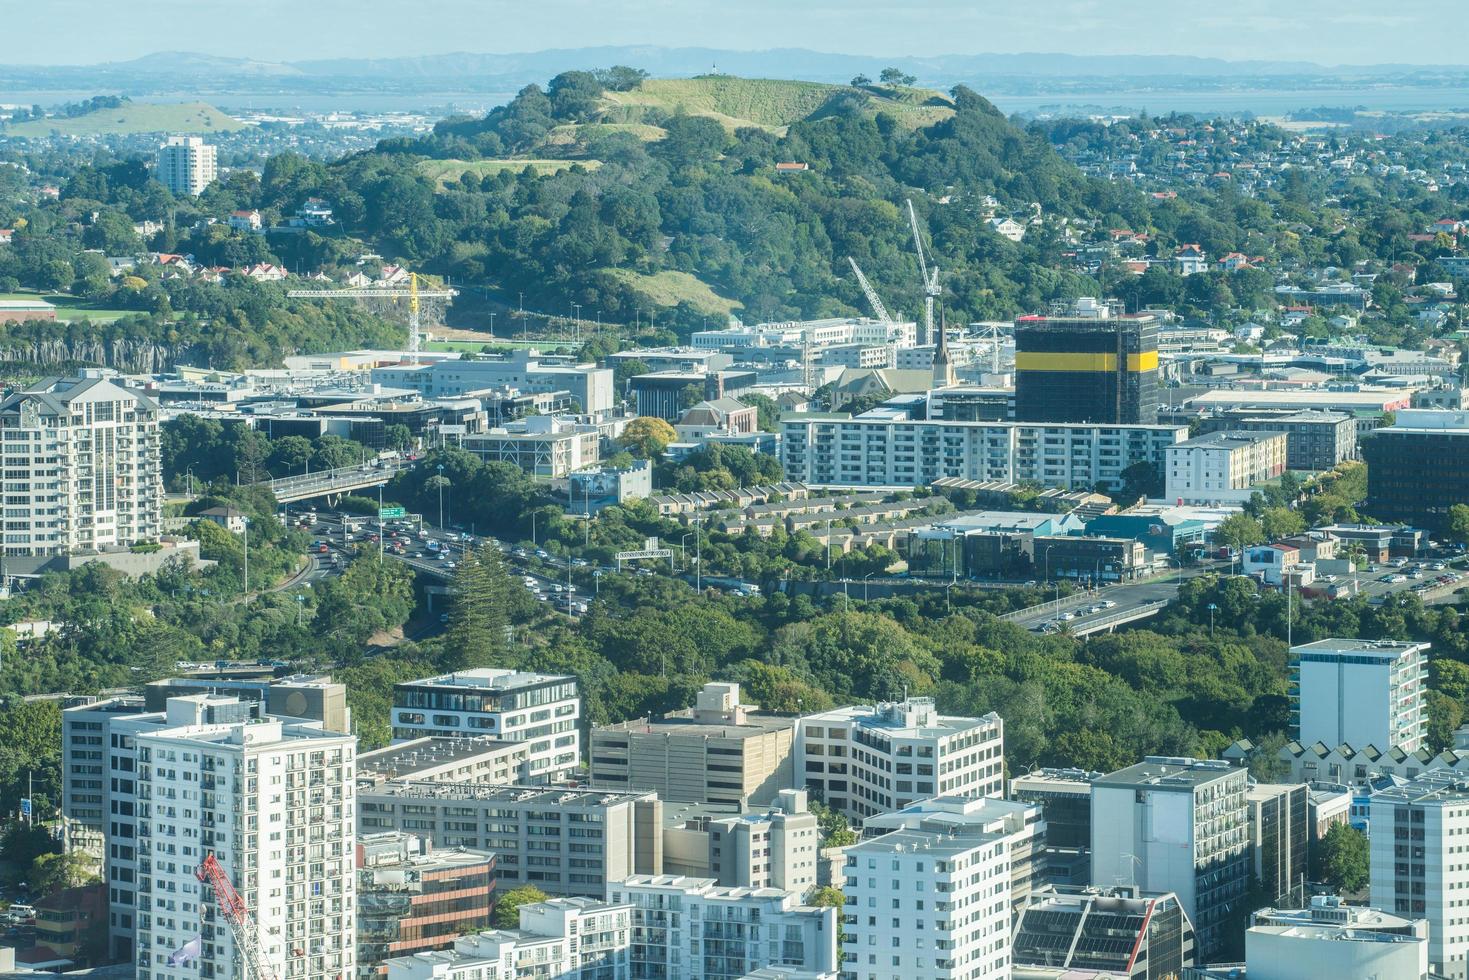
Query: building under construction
[{"x": 1089, "y": 362}]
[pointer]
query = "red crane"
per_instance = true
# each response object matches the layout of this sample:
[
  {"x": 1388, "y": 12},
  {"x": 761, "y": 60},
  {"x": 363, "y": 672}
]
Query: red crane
[{"x": 237, "y": 914}]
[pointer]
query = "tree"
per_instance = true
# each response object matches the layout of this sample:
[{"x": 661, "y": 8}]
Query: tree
[
  {"x": 647, "y": 436},
  {"x": 1281, "y": 522},
  {"x": 51, "y": 873},
  {"x": 861, "y": 80},
  {"x": 827, "y": 897},
  {"x": 1459, "y": 523},
  {"x": 1239, "y": 531},
  {"x": 1343, "y": 859},
  {"x": 507, "y": 906},
  {"x": 895, "y": 77},
  {"x": 481, "y": 610},
  {"x": 835, "y": 831},
  {"x": 23, "y": 843}
]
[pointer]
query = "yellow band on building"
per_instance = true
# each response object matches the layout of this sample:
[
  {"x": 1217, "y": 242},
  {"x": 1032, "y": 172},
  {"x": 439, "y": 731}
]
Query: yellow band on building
[{"x": 1045, "y": 361}]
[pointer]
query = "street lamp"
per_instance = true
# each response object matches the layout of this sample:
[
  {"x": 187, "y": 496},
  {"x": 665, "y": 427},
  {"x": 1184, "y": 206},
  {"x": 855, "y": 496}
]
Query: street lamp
[
  {"x": 864, "y": 584},
  {"x": 1212, "y": 608}
]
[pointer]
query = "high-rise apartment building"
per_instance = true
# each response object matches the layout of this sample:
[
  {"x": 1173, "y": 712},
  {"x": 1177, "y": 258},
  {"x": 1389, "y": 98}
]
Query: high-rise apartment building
[
  {"x": 412, "y": 898},
  {"x": 1020, "y": 824},
  {"x": 82, "y": 467},
  {"x": 1087, "y": 363},
  {"x": 1176, "y": 825},
  {"x": 692, "y": 929},
  {"x": 513, "y": 706},
  {"x": 721, "y": 751},
  {"x": 1361, "y": 692},
  {"x": 927, "y": 903},
  {"x": 187, "y": 165},
  {"x": 868, "y": 759},
  {"x": 272, "y": 800},
  {"x": 1417, "y": 862}
]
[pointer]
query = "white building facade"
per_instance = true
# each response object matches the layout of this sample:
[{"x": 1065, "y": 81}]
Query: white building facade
[
  {"x": 513, "y": 706},
  {"x": 1223, "y": 467},
  {"x": 82, "y": 465},
  {"x": 927, "y": 904},
  {"x": 273, "y": 802},
  {"x": 1361, "y": 692},
  {"x": 870, "y": 759},
  {"x": 187, "y": 165},
  {"x": 889, "y": 449}
]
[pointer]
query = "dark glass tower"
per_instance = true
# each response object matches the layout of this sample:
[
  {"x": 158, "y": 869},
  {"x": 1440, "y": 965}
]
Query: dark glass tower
[{"x": 1089, "y": 363}]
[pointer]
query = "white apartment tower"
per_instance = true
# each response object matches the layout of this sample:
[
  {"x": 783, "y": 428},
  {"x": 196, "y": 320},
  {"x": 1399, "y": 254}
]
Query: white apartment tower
[
  {"x": 1176, "y": 825},
  {"x": 187, "y": 165},
  {"x": 272, "y": 800},
  {"x": 1417, "y": 863},
  {"x": 928, "y": 903},
  {"x": 870, "y": 759},
  {"x": 82, "y": 467},
  {"x": 513, "y": 706},
  {"x": 1362, "y": 692}
]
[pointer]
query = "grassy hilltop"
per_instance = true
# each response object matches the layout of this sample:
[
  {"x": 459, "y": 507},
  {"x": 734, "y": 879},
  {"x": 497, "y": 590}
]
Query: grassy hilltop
[{"x": 132, "y": 118}]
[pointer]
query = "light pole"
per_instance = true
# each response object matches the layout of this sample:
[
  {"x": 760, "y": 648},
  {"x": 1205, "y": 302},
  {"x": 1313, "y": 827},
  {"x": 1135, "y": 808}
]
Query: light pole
[
  {"x": 492, "y": 324},
  {"x": 597, "y": 583},
  {"x": 698, "y": 560},
  {"x": 681, "y": 550},
  {"x": 190, "y": 472},
  {"x": 1179, "y": 563},
  {"x": 300, "y": 605},
  {"x": 864, "y": 584},
  {"x": 246, "y": 532},
  {"x": 1212, "y": 608}
]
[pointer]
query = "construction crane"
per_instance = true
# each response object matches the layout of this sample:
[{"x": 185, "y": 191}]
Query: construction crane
[
  {"x": 412, "y": 293},
  {"x": 237, "y": 914},
  {"x": 870, "y": 293},
  {"x": 929, "y": 277}
]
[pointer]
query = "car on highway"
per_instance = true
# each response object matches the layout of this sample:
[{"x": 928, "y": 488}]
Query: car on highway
[{"x": 1108, "y": 604}]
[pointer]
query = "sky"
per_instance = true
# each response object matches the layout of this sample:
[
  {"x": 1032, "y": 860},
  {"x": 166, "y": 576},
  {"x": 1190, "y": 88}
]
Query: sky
[{"x": 1324, "y": 31}]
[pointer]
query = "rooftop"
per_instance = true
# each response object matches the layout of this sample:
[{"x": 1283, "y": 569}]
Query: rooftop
[
  {"x": 1436, "y": 787},
  {"x": 534, "y": 796},
  {"x": 1160, "y": 772},
  {"x": 488, "y": 679},
  {"x": 1386, "y": 650},
  {"x": 1228, "y": 439},
  {"x": 405, "y": 759}
]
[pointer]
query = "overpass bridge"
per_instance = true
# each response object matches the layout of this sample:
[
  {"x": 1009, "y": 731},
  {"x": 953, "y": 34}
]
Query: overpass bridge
[{"x": 333, "y": 483}]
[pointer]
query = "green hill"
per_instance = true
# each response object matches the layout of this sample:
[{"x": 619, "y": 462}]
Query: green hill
[
  {"x": 132, "y": 118},
  {"x": 767, "y": 103}
]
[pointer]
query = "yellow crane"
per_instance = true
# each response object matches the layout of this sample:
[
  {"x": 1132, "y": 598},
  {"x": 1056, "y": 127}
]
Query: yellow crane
[{"x": 413, "y": 294}]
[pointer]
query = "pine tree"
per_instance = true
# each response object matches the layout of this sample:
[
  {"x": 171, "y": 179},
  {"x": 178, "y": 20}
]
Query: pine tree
[{"x": 480, "y": 616}]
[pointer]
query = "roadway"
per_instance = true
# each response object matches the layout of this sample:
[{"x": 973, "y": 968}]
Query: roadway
[{"x": 291, "y": 489}]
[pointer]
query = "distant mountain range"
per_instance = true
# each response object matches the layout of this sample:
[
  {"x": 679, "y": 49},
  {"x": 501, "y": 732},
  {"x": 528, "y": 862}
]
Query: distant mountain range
[{"x": 466, "y": 72}]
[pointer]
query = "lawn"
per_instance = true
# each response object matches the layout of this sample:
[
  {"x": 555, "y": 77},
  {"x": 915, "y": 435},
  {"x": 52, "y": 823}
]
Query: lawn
[
  {"x": 670, "y": 287},
  {"x": 133, "y": 118},
  {"x": 70, "y": 308}
]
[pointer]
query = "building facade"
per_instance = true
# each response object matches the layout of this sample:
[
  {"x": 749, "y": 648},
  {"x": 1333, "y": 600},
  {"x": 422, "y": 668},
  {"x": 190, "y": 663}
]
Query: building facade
[
  {"x": 891, "y": 449},
  {"x": 1118, "y": 932},
  {"x": 1090, "y": 363},
  {"x": 83, "y": 467},
  {"x": 1417, "y": 868},
  {"x": 1315, "y": 441},
  {"x": 1418, "y": 467},
  {"x": 1065, "y": 799},
  {"x": 927, "y": 904},
  {"x": 1181, "y": 826},
  {"x": 411, "y": 898},
  {"x": 513, "y": 706},
  {"x": 693, "y": 929},
  {"x": 565, "y": 842},
  {"x": 1280, "y": 835},
  {"x": 273, "y": 802},
  {"x": 720, "y": 751},
  {"x": 869, "y": 759},
  {"x": 1361, "y": 692},
  {"x": 777, "y": 848},
  {"x": 186, "y": 165},
  {"x": 526, "y": 370},
  {"x": 1223, "y": 467}
]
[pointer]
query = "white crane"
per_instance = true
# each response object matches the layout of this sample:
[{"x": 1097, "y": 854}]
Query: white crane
[
  {"x": 929, "y": 277},
  {"x": 412, "y": 293},
  {"x": 871, "y": 294}
]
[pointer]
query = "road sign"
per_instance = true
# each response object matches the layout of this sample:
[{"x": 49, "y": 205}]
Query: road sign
[
  {"x": 25, "y": 807},
  {"x": 649, "y": 553},
  {"x": 384, "y": 513}
]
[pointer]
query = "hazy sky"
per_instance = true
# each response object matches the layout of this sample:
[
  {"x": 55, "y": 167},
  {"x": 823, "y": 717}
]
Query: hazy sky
[{"x": 1325, "y": 31}]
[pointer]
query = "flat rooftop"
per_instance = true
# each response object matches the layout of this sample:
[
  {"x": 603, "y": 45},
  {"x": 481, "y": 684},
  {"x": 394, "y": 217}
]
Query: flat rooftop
[
  {"x": 536, "y": 796},
  {"x": 403, "y": 760},
  {"x": 1383, "y": 649},
  {"x": 1160, "y": 773},
  {"x": 488, "y": 679},
  {"x": 679, "y": 723}
]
